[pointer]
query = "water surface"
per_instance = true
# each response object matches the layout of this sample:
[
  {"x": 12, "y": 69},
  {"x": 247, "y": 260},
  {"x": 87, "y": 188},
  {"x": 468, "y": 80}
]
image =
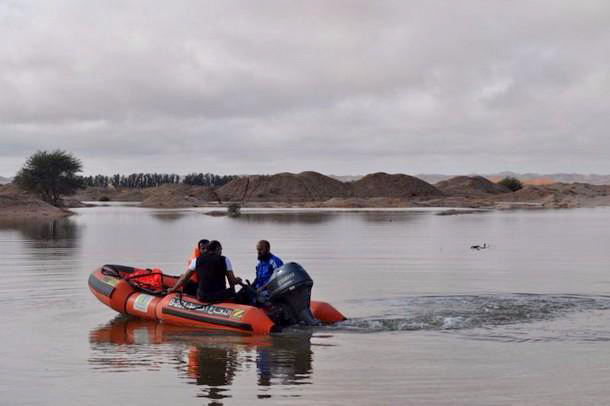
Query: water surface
[{"x": 432, "y": 321}]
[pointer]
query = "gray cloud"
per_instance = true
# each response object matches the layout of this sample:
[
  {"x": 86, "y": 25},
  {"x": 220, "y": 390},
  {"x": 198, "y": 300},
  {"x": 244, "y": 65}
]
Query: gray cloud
[{"x": 338, "y": 87}]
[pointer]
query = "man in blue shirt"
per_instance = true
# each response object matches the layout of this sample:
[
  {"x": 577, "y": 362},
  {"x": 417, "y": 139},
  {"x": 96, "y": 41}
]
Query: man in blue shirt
[{"x": 267, "y": 263}]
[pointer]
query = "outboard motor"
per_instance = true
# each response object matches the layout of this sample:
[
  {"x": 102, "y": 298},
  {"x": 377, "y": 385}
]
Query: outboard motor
[{"x": 289, "y": 289}]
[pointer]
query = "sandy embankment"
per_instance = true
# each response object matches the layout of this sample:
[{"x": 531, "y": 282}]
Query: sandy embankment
[
  {"x": 15, "y": 203},
  {"x": 564, "y": 195},
  {"x": 310, "y": 189}
]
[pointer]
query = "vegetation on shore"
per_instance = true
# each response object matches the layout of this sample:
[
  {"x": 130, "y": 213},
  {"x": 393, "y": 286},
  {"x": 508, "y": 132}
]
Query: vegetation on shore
[
  {"x": 50, "y": 175},
  {"x": 234, "y": 210},
  {"x": 54, "y": 175},
  {"x": 513, "y": 184},
  {"x": 146, "y": 180}
]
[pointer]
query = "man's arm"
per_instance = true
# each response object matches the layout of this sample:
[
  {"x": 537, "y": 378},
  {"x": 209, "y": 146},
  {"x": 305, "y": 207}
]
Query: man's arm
[
  {"x": 258, "y": 273},
  {"x": 233, "y": 280},
  {"x": 183, "y": 278}
]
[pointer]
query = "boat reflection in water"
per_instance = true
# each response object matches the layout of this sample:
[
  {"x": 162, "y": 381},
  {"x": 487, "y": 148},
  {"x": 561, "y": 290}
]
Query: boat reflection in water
[{"x": 209, "y": 359}]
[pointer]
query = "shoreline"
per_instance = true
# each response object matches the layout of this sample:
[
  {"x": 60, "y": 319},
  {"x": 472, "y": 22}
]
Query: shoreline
[
  {"x": 35, "y": 209},
  {"x": 466, "y": 194},
  {"x": 381, "y": 205}
]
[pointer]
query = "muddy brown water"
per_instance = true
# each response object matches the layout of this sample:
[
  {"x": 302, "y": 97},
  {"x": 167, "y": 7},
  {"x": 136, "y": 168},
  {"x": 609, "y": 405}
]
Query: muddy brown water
[{"x": 432, "y": 322}]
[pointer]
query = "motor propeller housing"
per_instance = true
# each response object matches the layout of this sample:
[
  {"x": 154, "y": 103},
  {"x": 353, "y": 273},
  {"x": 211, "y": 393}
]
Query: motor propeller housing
[{"x": 289, "y": 289}]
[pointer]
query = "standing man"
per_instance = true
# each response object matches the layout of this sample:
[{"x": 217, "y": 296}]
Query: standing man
[{"x": 267, "y": 263}]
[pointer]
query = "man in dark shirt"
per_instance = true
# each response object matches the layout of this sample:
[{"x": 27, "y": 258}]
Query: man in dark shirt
[{"x": 212, "y": 269}]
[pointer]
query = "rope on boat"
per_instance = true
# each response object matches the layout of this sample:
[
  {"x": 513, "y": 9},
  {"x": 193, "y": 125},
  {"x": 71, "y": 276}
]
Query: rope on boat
[{"x": 191, "y": 306}]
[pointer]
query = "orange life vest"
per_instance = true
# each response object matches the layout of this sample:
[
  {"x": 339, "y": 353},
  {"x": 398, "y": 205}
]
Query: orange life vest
[
  {"x": 194, "y": 255},
  {"x": 151, "y": 279}
]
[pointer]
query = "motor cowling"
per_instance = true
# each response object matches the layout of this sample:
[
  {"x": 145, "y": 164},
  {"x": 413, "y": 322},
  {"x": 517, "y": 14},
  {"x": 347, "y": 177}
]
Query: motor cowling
[{"x": 289, "y": 290}]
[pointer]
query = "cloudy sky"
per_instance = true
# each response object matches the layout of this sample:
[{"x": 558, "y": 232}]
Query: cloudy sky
[{"x": 340, "y": 87}]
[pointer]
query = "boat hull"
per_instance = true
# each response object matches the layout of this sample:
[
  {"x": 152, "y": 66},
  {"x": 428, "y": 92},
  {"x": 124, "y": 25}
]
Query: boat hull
[{"x": 183, "y": 310}]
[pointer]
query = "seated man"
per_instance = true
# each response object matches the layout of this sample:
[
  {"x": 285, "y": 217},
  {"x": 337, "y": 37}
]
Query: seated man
[
  {"x": 193, "y": 283},
  {"x": 267, "y": 263},
  {"x": 212, "y": 269},
  {"x": 199, "y": 249}
]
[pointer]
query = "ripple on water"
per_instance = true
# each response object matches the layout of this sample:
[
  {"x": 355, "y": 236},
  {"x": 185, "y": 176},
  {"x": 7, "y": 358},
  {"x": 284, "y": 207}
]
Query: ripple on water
[{"x": 438, "y": 313}]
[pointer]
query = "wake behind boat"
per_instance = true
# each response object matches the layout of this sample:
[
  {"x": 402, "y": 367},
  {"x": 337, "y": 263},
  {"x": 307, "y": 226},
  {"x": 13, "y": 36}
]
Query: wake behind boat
[{"x": 127, "y": 290}]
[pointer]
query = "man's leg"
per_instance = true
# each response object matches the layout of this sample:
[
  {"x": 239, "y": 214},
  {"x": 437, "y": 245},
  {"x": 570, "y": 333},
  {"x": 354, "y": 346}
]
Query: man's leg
[
  {"x": 226, "y": 295},
  {"x": 191, "y": 288}
]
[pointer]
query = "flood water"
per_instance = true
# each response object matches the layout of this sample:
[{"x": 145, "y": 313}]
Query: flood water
[{"x": 431, "y": 321}]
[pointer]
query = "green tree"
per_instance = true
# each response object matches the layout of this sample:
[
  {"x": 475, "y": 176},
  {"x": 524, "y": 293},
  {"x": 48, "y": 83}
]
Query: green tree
[
  {"x": 513, "y": 184},
  {"x": 50, "y": 175}
]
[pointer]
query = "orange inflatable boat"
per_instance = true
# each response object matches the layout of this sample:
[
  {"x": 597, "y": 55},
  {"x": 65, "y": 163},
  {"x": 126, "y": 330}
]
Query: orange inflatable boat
[{"x": 122, "y": 289}]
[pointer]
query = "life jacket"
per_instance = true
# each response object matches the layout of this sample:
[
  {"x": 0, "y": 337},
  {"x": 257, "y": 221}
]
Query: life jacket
[
  {"x": 148, "y": 279},
  {"x": 194, "y": 255},
  {"x": 212, "y": 270}
]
